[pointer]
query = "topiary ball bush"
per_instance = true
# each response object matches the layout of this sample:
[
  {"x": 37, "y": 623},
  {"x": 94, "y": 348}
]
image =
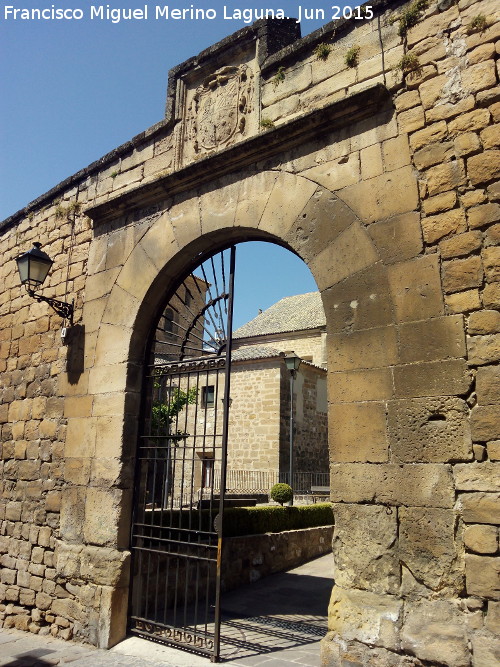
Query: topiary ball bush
[{"x": 281, "y": 493}]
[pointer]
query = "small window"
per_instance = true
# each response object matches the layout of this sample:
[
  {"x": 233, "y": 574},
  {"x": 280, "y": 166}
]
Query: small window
[
  {"x": 207, "y": 473},
  {"x": 208, "y": 396},
  {"x": 168, "y": 325},
  {"x": 187, "y": 298}
]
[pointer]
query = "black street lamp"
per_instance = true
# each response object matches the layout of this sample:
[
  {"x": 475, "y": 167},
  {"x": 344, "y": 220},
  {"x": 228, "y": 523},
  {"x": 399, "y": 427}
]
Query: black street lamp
[
  {"x": 33, "y": 267},
  {"x": 292, "y": 362}
]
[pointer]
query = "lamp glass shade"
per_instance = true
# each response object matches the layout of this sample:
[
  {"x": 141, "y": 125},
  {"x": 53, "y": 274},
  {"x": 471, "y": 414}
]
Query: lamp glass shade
[
  {"x": 33, "y": 266},
  {"x": 292, "y": 362}
]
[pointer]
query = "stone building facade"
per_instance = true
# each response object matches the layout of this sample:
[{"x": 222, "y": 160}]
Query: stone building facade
[{"x": 381, "y": 171}]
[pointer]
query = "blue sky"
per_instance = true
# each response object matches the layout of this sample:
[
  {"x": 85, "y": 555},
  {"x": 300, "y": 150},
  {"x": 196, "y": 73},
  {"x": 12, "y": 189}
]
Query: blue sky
[{"x": 72, "y": 90}]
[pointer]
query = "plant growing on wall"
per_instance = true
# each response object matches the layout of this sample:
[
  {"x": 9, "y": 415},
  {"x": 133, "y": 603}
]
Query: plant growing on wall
[
  {"x": 478, "y": 24},
  {"x": 410, "y": 16},
  {"x": 410, "y": 64},
  {"x": 267, "y": 124},
  {"x": 281, "y": 493},
  {"x": 352, "y": 56},
  {"x": 163, "y": 414},
  {"x": 322, "y": 51},
  {"x": 279, "y": 77}
]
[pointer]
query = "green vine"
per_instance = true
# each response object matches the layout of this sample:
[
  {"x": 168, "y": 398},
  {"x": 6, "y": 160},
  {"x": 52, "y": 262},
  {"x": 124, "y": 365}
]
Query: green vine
[{"x": 164, "y": 414}]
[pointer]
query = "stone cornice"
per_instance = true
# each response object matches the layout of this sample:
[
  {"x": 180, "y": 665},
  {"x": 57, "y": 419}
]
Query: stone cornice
[{"x": 332, "y": 117}]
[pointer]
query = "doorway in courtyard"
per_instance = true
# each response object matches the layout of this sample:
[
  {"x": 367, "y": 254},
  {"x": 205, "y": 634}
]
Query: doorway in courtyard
[{"x": 223, "y": 419}]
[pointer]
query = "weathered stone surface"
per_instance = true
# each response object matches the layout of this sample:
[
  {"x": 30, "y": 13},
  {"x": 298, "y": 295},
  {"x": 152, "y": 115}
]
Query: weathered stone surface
[
  {"x": 372, "y": 384},
  {"x": 281, "y": 208},
  {"x": 494, "y": 450},
  {"x": 332, "y": 264},
  {"x": 434, "y": 631},
  {"x": 429, "y": 430},
  {"x": 358, "y": 432},
  {"x": 482, "y": 575},
  {"x": 417, "y": 485},
  {"x": 460, "y": 274},
  {"x": 366, "y": 617},
  {"x": 481, "y": 508},
  {"x": 412, "y": 119},
  {"x": 491, "y": 295},
  {"x": 323, "y": 218},
  {"x": 415, "y": 288},
  {"x": 428, "y": 549},
  {"x": 445, "y": 176},
  {"x": 348, "y": 351},
  {"x": 484, "y": 167},
  {"x": 461, "y": 302},
  {"x": 481, "y": 539},
  {"x": 491, "y": 263},
  {"x": 483, "y": 349},
  {"x": 361, "y": 301},
  {"x": 488, "y": 385},
  {"x": 477, "y": 477},
  {"x": 399, "y": 238},
  {"x": 492, "y": 622},
  {"x": 432, "y": 154},
  {"x": 364, "y": 548},
  {"x": 436, "y": 226},
  {"x": 486, "y": 651},
  {"x": 470, "y": 122},
  {"x": 467, "y": 143},
  {"x": 438, "y": 378},
  {"x": 439, "y": 203},
  {"x": 485, "y": 423},
  {"x": 384, "y": 196},
  {"x": 479, "y": 216},
  {"x": 430, "y": 340},
  {"x": 461, "y": 244}
]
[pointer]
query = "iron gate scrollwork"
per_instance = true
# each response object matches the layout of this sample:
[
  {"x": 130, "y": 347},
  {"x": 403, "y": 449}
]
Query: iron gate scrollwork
[{"x": 182, "y": 451}]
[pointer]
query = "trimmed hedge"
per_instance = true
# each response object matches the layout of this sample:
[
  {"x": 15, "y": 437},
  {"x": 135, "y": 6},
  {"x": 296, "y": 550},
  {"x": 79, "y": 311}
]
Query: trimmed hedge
[{"x": 256, "y": 520}]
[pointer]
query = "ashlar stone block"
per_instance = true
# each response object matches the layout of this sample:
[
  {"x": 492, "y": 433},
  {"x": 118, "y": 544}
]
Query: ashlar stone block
[
  {"x": 385, "y": 196},
  {"x": 350, "y": 252},
  {"x": 485, "y": 422},
  {"x": 357, "y": 432},
  {"x": 365, "y": 617},
  {"x": 428, "y": 549},
  {"x": 481, "y": 539},
  {"x": 415, "y": 286},
  {"x": 482, "y": 576},
  {"x": 322, "y": 219},
  {"x": 365, "y": 548},
  {"x": 254, "y": 193},
  {"x": 417, "y": 485},
  {"x": 429, "y": 430},
  {"x": 481, "y": 508},
  {"x": 431, "y": 340},
  {"x": 289, "y": 195},
  {"x": 159, "y": 242},
  {"x": 362, "y": 301},
  {"x": 398, "y": 238},
  {"x": 488, "y": 385},
  {"x": 348, "y": 351},
  {"x": 434, "y": 631},
  {"x": 477, "y": 476},
  {"x": 437, "y": 378}
]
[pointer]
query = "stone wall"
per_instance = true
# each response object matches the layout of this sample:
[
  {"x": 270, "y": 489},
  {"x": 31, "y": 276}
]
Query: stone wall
[
  {"x": 386, "y": 184},
  {"x": 250, "y": 557}
]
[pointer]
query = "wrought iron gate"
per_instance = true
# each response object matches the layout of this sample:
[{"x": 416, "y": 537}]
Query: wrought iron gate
[{"x": 182, "y": 449}]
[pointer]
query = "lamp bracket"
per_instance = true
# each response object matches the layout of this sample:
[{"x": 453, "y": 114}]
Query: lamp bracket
[{"x": 62, "y": 308}]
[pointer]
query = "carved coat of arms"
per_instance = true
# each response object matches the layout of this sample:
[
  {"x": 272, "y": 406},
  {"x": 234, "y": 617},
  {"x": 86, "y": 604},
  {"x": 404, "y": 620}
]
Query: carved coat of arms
[{"x": 219, "y": 107}]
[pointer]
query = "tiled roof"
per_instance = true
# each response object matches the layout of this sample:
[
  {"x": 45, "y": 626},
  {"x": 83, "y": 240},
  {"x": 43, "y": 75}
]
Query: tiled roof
[
  {"x": 293, "y": 313},
  {"x": 250, "y": 352}
]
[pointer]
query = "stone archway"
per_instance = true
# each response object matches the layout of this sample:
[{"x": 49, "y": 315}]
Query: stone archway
[{"x": 375, "y": 285}]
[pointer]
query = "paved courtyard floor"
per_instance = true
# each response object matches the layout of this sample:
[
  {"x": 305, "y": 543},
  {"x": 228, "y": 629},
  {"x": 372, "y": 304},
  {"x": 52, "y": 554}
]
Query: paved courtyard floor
[{"x": 276, "y": 622}]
